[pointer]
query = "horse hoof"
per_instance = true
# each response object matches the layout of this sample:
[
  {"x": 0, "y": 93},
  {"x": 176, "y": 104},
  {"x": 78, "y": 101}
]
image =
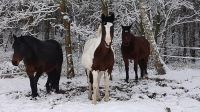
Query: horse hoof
[
  {"x": 94, "y": 102},
  {"x": 106, "y": 99},
  {"x": 146, "y": 77},
  {"x": 126, "y": 80},
  {"x": 136, "y": 81},
  {"x": 89, "y": 97},
  {"x": 35, "y": 95}
]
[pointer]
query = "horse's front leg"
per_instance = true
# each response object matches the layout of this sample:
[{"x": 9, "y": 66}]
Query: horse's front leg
[
  {"x": 95, "y": 86},
  {"x": 99, "y": 79},
  {"x": 126, "y": 62},
  {"x": 136, "y": 69},
  {"x": 33, "y": 85},
  {"x": 106, "y": 82}
]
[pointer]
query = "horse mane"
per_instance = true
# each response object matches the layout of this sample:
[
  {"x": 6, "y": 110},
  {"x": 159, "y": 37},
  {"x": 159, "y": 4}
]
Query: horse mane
[
  {"x": 29, "y": 41},
  {"x": 99, "y": 31}
]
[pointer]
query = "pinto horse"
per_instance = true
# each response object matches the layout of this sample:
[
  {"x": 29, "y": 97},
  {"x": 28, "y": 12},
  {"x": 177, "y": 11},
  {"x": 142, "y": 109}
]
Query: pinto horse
[
  {"x": 98, "y": 58},
  {"x": 134, "y": 48},
  {"x": 39, "y": 57}
]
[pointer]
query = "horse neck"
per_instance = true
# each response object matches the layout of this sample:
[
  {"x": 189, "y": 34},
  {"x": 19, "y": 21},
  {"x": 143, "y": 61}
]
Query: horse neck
[
  {"x": 31, "y": 54},
  {"x": 103, "y": 49}
]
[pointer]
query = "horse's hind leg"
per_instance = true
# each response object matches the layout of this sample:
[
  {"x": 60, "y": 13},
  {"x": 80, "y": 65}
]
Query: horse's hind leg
[
  {"x": 145, "y": 68},
  {"x": 49, "y": 83},
  {"x": 90, "y": 82},
  {"x": 142, "y": 69},
  {"x": 53, "y": 80}
]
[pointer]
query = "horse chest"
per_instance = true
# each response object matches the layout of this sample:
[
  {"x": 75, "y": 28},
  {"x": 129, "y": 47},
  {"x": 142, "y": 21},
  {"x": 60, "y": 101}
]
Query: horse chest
[
  {"x": 128, "y": 52},
  {"x": 103, "y": 62}
]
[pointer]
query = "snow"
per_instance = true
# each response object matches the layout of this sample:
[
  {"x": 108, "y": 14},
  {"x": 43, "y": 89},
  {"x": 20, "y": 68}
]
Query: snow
[{"x": 179, "y": 91}]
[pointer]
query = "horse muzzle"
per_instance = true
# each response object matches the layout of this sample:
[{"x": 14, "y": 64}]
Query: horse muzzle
[{"x": 15, "y": 62}]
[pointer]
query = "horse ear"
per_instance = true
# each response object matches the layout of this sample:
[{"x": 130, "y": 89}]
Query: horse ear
[
  {"x": 14, "y": 36},
  {"x": 122, "y": 26},
  {"x": 112, "y": 16},
  {"x": 131, "y": 25},
  {"x": 102, "y": 17}
]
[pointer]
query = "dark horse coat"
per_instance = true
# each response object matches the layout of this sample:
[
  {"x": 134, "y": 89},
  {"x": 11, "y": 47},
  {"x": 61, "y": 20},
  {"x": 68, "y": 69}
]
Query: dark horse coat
[
  {"x": 39, "y": 57},
  {"x": 134, "y": 48}
]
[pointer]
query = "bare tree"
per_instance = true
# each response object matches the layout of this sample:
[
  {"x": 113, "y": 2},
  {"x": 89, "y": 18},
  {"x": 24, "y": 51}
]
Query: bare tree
[
  {"x": 68, "y": 44},
  {"x": 159, "y": 64}
]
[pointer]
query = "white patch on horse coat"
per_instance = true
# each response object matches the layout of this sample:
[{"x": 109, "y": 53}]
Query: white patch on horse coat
[
  {"x": 108, "y": 36},
  {"x": 89, "y": 49}
]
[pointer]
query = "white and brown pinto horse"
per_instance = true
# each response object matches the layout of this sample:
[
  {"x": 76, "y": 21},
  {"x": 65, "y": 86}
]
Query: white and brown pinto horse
[{"x": 98, "y": 58}]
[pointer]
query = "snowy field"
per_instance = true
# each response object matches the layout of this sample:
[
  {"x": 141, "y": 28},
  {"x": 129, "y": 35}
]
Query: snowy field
[{"x": 178, "y": 91}]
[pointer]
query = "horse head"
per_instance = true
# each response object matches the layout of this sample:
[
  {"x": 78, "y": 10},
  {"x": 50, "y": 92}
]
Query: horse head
[
  {"x": 107, "y": 29},
  {"x": 19, "y": 50},
  {"x": 126, "y": 34}
]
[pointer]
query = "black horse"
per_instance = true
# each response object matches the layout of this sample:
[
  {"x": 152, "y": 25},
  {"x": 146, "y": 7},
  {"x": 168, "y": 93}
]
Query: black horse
[
  {"x": 137, "y": 49},
  {"x": 39, "y": 57}
]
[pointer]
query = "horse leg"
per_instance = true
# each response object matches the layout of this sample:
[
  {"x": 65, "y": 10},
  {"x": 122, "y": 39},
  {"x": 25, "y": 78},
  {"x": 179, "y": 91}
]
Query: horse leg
[
  {"x": 106, "y": 82},
  {"x": 127, "y": 69},
  {"x": 141, "y": 65},
  {"x": 145, "y": 68},
  {"x": 57, "y": 80},
  {"x": 33, "y": 85},
  {"x": 48, "y": 85},
  {"x": 54, "y": 80},
  {"x": 95, "y": 86},
  {"x": 90, "y": 81},
  {"x": 99, "y": 79},
  {"x": 49, "y": 82},
  {"x": 35, "y": 81},
  {"x": 135, "y": 69}
]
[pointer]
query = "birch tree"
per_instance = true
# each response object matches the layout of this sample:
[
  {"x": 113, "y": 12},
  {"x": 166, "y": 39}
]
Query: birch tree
[
  {"x": 68, "y": 44},
  {"x": 158, "y": 62}
]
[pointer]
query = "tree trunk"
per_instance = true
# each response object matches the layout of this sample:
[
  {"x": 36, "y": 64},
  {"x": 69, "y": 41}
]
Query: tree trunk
[
  {"x": 68, "y": 48},
  {"x": 157, "y": 26},
  {"x": 47, "y": 29},
  {"x": 104, "y": 7},
  {"x": 158, "y": 62},
  {"x": 185, "y": 31},
  {"x": 192, "y": 39}
]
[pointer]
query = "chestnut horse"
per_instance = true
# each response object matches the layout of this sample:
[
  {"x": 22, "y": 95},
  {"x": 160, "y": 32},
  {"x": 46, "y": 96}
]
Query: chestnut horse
[
  {"x": 98, "y": 58},
  {"x": 134, "y": 48},
  {"x": 39, "y": 57}
]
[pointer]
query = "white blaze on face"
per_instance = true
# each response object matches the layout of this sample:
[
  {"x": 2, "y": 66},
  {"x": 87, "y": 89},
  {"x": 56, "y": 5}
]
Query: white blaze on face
[{"x": 108, "y": 36}]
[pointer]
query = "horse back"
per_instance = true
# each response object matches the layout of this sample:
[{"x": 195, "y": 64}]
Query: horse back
[{"x": 48, "y": 54}]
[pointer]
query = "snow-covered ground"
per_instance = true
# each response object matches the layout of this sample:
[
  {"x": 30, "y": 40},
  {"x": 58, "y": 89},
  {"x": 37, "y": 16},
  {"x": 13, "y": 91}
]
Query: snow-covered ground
[{"x": 178, "y": 91}]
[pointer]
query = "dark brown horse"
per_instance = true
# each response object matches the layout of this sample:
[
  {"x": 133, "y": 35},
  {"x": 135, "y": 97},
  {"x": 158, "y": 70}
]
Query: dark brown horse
[
  {"x": 134, "y": 48},
  {"x": 39, "y": 57},
  {"x": 98, "y": 58}
]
